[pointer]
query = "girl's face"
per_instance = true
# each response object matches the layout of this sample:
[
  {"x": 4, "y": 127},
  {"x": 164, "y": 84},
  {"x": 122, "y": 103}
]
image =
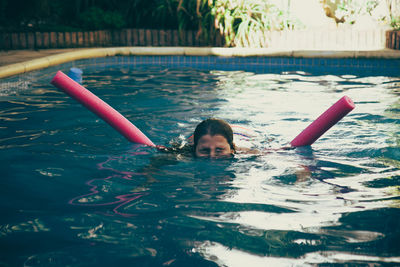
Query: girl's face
[{"x": 213, "y": 146}]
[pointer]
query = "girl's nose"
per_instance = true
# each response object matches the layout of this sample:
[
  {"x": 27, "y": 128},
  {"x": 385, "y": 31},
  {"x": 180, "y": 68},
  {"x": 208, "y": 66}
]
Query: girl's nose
[{"x": 212, "y": 153}]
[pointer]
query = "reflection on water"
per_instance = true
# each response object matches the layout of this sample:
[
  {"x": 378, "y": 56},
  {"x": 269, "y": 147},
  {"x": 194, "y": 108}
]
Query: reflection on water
[{"x": 71, "y": 184}]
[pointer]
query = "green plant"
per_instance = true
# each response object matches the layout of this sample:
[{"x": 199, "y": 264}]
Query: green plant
[
  {"x": 350, "y": 10},
  {"x": 395, "y": 23},
  {"x": 245, "y": 23},
  {"x": 165, "y": 13},
  {"x": 96, "y": 18},
  {"x": 185, "y": 15},
  {"x": 196, "y": 15}
]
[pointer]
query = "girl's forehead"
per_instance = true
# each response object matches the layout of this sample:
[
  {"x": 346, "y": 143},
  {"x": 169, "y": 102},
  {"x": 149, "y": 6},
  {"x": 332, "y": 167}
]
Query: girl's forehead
[{"x": 213, "y": 138}]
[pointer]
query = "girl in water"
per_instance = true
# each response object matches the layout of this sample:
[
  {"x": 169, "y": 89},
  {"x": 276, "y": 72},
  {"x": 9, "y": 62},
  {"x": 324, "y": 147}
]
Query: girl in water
[{"x": 213, "y": 138}]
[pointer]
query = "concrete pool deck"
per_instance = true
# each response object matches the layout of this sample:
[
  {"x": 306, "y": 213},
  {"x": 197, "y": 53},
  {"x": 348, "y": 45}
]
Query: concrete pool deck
[{"x": 15, "y": 62}]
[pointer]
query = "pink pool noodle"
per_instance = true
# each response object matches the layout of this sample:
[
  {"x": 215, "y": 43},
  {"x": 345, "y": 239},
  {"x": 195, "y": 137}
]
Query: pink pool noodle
[
  {"x": 100, "y": 108},
  {"x": 324, "y": 122}
]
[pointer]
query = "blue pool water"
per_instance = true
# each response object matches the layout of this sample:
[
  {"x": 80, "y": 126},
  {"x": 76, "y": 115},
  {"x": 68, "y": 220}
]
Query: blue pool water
[{"x": 75, "y": 193}]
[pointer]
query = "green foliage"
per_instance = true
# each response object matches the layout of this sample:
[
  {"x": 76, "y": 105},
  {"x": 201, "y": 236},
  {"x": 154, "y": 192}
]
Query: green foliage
[
  {"x": 95, "y": 19},
  {"x": 240, "y": 22},
  {"x": 196, "y": 15},
  {"x": 164, "y": 14},
  {"x": 395, "y": 23},
  {"x": 350, "y": 10},
  {"x": 246, "y": 23},
  {"x": 149, "y": 14},
  {"x": 182, "y": 15},
  {"x": 243, "y": 23}
]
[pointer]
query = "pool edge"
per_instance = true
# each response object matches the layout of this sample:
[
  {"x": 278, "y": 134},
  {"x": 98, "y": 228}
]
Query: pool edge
[{"x": 63, "y": 57}]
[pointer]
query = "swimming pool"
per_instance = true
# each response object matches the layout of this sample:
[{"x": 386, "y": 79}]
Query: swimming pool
[{"x": 74, "y": 192}]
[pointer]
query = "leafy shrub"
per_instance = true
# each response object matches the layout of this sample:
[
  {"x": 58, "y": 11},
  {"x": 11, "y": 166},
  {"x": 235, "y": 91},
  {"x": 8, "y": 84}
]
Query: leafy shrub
[
  {"x": 350, "y": 10},
  {"x": 96, "y": 18},
  {"x": 246, "y": 23},
  {"x": 395, "y": 23},
  {"x": 196, "y": 15}
]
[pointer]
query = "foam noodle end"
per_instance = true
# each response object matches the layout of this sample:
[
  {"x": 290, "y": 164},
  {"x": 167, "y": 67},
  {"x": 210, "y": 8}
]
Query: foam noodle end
[{"x": 324, "y": 122}]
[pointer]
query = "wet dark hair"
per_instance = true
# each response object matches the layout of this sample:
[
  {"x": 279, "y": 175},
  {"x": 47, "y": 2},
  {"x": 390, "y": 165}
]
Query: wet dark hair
[{"x": 213, "y": 127}]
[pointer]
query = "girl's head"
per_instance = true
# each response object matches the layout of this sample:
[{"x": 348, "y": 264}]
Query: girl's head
[{"x": 213, "y": 138}]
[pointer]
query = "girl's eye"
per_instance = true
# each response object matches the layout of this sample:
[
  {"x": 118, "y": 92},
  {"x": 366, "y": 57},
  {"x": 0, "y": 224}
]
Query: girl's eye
[
  {"x": 204, "y": 151},
  {"x": 219, "y": 150}
]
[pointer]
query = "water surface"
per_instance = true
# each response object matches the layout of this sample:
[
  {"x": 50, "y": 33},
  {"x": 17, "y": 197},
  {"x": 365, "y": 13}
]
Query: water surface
[{"x": 74, "y": 192}]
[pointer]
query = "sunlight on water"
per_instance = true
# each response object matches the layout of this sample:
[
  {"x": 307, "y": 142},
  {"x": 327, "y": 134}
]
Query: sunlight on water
[
  {"x": 316, "y": 203},
  {"x": 234, "y": 257}
]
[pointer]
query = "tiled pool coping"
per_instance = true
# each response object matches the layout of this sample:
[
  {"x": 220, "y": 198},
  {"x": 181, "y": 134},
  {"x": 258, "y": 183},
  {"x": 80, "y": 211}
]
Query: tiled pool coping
[
  {"x": 316, "y": 66},
  {"x": 228, "y": 58}
]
